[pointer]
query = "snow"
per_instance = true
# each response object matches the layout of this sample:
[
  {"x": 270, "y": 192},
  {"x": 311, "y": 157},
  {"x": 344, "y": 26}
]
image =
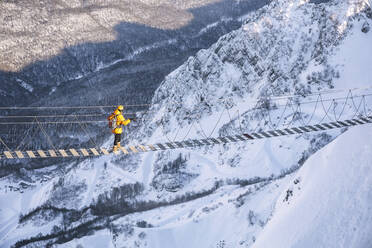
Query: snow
[
  {"x": 353, "y": 59},
  {"x": 9, "y": 214},
  {"x": 99, "y": 239},
  {"x": 25, "y": 85},
  {"x": 331, "y": 203},
  {"x": 213, "y": 25},
  {"x": 189, "y": 224},
  {"x": 283, "y": 37},
  {"x": 20, "y": 203},
  {"x": 146, "y": 168}
]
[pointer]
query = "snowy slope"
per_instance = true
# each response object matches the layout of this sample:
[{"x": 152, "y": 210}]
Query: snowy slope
[
  {"x": 205, "y": 222},
  {"x": 329, "y": 207},
  {"x": 285, "y": 48},
  {"x": 288, "y": 47},
  {"x": 330, "y": 200}
]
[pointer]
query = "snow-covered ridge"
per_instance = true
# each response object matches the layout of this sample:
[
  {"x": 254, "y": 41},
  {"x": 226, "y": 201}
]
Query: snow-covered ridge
[{"x": 285, "y": 48}]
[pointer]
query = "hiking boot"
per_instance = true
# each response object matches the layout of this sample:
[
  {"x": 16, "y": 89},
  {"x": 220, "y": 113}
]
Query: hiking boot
[
  {"x": 119, "y": 144},
  {"x": 115, "y": 149}
]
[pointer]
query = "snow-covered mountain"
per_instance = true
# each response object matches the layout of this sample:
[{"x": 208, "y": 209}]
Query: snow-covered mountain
[
  {"x": 236, "y": 195},
  {"x": 327, "y": 204},
  {"x": 288, "y": 47},
  {"x": 96, "y": 53}
]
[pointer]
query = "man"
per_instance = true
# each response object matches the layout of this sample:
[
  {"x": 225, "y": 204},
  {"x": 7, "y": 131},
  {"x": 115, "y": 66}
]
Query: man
[{"x": 116, "y": 121}]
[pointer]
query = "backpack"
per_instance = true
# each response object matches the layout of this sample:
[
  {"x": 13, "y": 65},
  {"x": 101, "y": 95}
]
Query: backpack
[{"x": 113, "y": 122}]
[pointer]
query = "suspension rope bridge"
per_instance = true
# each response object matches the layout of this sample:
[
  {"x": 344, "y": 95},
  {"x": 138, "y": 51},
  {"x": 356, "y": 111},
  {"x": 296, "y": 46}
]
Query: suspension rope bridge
[
  {"x": 88, "y": 152},
  {"x": 362, "y": 115}
]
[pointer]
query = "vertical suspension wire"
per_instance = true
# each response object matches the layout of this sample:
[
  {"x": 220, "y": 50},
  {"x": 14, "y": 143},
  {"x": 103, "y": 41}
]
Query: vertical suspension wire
[
  {"x": 240, "y": 124},
  {"x": 356, "y": 108},
  {"x": 294, "y": 111},
  {"x": 281, "y": 116},
  {"x": 164, "y": 133},
  {"x": 352, "y": 101},
  {"x": 46, "y": 135},
  {"x": 334, "y": 109},
  {"x": 4, "y": 144},
  {"x": 258, "y": 123},
  {"x": 254, "y": 112},
  {"x": 202, "y": 131},
  {"x": 365, "y": 106},
  {"x": 299, "y": 110},
  {"x": 343, "y": 108},
  {"x": 26, "y": 136},
  {"x": 357, "y": 113},
  {"x": 267, "y": 118},
  {"x": 216, "y": 124},
  {"x": 228, "y": 112},
  {"x": 301, "y": 118},
  {"x": 178, "y": 130},
  {"x": 274, "y": 125},
  {"x": 325, "y": 111},
  {"x": 187, "y": 134},
  {"x": 249, "y": 125},
  {"x": 86, "y": 132},
  {"x": 269, "y": 121},
  {"x": 369, "y": 114},
  {"x": 313, "y": 114}
]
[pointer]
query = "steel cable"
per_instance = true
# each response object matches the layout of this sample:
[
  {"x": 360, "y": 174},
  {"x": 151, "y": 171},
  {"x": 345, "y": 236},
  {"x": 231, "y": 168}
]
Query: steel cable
[
  {"x": 46, "y": 135},
  {"x": 325, "y": 111},
  {"x": 143, "y": 105},
  {"x": 86, "y": 132}
]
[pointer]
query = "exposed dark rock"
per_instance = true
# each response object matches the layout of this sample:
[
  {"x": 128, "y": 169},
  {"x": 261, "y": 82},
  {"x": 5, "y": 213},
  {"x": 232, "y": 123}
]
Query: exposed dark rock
[{"x": 365, "y": 27}]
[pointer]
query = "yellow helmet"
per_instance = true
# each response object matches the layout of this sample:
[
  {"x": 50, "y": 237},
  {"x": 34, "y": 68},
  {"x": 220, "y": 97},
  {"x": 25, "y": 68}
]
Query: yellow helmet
[{"x": 120, "y": 107}]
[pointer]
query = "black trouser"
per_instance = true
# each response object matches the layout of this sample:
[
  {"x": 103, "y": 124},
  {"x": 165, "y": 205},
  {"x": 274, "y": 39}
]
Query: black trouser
[{"x": 117, "y": 139}]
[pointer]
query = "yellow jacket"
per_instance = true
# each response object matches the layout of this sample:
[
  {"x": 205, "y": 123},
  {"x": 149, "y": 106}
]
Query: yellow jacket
[{"x": 120, "y": 120}]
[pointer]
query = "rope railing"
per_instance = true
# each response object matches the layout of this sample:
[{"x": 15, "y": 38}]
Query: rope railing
[
  {"x": 275, "y": 97},
  {"x": 256, "y": 107},
  {"x": 68, "y": 116},
  {"x": 185, "y": 144},
  {"x": 263, "y": 114}
]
